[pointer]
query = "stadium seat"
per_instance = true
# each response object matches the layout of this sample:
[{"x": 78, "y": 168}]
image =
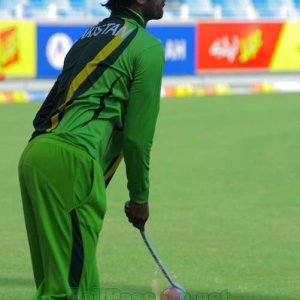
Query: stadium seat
[
  {"x": 236, "y": 9},
  {"x": 38, "y": 4},
  {"x": 77, "y": 8},
  {"x": 275, "y": 9},
  {"x": 217, "y": 9},
  {"x": 5, "y": 9},
  {"x": 175, "y": 8},
  {"x": 200, "y": 8},
  {"x": 35, "y": 8},
  {"x": 2, "y": 4},
  {"x": 297, "y": 4},
  {"x": 80, "y": 9},
  {"x": 95, "y": 9}
]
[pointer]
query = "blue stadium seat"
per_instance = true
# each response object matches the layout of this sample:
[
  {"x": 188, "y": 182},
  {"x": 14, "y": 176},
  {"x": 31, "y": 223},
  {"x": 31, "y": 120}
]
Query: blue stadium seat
[
  {"x": 297, "y": 4},
  {"x": 100, "y": 12},
  {"x": 77, "y": 4},
  {"x": 173, "y": 8},
  {"x": 237, "y": 9},
  {"x": 263, "y": 9},
  {"x": 38, "y": 4},
  {"x": 200, "y": 8},
  {"x": 5, "y": 9},
  {"x": 38, "y": 9},
  {"x": 219, "y": 9},
  {"x": 271, "y": 8},
  {"x": 78, "y": 8},
  {"x": 3, "y": 6}
]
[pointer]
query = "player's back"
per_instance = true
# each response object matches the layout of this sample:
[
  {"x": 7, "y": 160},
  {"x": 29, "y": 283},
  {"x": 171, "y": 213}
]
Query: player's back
[{"x": 93, "y": 89}]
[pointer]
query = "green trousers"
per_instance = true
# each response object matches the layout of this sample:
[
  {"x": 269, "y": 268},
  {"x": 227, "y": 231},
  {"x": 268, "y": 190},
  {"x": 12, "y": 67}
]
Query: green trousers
[{"x": 63, "y": 195}]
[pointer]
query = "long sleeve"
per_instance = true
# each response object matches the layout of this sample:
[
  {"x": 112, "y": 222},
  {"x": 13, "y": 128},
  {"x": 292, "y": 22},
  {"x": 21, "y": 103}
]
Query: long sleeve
[
  {"x": 47, "y": 107},
  {"x": 140, "y": 121}
]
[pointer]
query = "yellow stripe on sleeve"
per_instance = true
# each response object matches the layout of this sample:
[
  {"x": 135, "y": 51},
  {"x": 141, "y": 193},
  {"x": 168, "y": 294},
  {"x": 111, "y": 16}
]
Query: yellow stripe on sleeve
[{"x": 113, "y": 168}]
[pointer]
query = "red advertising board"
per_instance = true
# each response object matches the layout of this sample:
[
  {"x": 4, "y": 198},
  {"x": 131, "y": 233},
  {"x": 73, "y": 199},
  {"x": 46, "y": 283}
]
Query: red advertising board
[{"x": 239, "y": 45}]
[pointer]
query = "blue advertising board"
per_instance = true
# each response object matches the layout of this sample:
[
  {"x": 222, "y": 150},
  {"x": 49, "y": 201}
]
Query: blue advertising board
[
  {"x": 179, "y": 44},
  {"x": 54, "y": 41}
]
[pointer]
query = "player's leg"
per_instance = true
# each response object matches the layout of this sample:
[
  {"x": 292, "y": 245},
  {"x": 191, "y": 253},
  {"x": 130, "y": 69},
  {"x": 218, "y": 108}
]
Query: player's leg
[
  {"x": 39, "y": 203},
  {"x": 31, "y": 228},
  {"x": 90, "y": 217},
  {"x": 53, "y": 233},
  {"x": 68, "y": 206}
]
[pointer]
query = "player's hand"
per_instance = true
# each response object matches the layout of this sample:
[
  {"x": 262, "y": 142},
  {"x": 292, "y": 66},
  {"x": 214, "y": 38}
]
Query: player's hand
[{"x": 137, "y": 214}]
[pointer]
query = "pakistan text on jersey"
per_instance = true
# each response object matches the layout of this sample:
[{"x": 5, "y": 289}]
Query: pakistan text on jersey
[{"x": 109, "y": 28}]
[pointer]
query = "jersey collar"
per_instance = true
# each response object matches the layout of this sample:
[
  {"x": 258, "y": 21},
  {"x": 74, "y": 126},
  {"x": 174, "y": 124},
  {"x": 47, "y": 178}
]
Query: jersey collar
[{"x": 131, "y": 14}]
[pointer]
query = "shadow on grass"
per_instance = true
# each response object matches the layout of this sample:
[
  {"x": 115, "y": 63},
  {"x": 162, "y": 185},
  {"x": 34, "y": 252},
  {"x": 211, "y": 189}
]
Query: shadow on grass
[
  {"x": 114, "y": 289},
  {"x": 144, "y": 291},
  {"x": 13, "y": 281},
  {"x": 227, "y": 295},
  {"x": 126, "y": 287},
  {"x": 246, "y": 296}
]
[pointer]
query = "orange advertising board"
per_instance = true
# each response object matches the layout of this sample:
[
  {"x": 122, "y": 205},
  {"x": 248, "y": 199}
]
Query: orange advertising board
[
  {"x": 239, "y": 45},
  {"x": 18, "y": 48}
]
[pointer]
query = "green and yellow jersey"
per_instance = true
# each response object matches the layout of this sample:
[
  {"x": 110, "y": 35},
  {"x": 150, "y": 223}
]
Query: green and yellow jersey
[{"x": 106, "y": 99}]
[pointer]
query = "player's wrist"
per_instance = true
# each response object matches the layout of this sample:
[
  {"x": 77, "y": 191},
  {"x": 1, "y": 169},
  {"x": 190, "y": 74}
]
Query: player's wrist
[{"x": 139, "y": 198}]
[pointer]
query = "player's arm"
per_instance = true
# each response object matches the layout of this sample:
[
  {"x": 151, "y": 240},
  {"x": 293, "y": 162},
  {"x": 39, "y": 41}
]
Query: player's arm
[
  {"x": 48, "y": 105},
  {"x": 140, "y": 120}
]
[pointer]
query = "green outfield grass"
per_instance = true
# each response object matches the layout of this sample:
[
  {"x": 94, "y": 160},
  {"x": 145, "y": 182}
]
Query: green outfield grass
[{"x": 225, "y": 203}]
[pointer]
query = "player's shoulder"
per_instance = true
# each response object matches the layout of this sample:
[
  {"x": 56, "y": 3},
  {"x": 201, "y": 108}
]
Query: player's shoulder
[{"x": 147, "y": 40}]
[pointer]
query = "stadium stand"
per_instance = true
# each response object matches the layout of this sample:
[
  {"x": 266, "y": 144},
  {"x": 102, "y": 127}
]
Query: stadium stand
[
  {"x": 276, "y": 8},
  {"x": 37, "y": 8},
  {"x": 51, "y": 9},
  {"x": 236, "y": 9},
  {"x": 185, "y": 9},
  {"x": 200, "y": 8},
  {"x": 5, "y": 9}
]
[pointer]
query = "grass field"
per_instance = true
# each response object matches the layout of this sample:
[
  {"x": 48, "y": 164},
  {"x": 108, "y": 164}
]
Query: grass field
[{"x": 224, "y": 203}]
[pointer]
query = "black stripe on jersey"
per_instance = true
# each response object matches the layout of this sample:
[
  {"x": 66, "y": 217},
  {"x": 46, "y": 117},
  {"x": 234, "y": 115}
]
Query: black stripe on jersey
[{"x": 102, "y": 103}]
